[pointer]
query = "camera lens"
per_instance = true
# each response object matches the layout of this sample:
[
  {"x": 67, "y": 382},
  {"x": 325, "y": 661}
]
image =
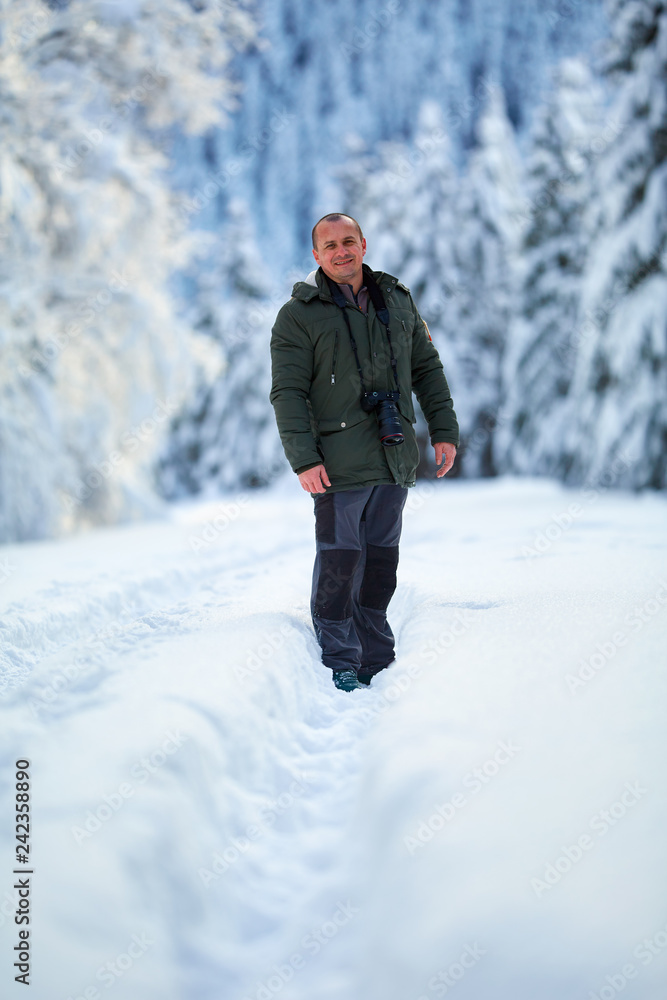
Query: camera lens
[{"x": 389, "y": 423}]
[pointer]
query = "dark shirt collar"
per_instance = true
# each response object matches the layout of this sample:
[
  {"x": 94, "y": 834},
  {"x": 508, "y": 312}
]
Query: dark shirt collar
[{"x": 360, "y": 299}]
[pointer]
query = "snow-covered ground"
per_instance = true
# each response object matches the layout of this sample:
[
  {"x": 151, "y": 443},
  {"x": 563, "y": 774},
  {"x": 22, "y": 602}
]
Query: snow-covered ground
[{"x": 213, "y": 820}]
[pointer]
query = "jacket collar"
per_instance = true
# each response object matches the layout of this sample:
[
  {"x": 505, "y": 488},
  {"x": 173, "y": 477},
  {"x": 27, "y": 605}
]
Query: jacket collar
[{"x": 315, "y": 285}]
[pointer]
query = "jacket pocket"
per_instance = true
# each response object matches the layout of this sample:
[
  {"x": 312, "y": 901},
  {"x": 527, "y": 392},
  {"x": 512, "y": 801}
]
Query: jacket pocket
[{"x": 343, "y": 421}]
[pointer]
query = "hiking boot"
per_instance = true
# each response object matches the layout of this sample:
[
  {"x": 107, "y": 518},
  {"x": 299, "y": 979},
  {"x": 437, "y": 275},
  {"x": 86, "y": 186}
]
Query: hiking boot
[{"x": 346, "y": 680}]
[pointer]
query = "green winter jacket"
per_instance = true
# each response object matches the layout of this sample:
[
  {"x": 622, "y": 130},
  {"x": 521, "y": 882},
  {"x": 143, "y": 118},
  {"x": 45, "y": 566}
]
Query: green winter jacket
[{"x": 316, "y": 389}]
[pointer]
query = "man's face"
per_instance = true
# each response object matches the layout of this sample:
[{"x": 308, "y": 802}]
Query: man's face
[{"x": 340, "y": 252}]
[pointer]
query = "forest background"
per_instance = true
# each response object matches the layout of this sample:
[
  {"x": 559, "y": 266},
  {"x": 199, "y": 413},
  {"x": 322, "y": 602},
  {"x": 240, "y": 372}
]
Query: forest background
[{"x": 161, "y": 166}]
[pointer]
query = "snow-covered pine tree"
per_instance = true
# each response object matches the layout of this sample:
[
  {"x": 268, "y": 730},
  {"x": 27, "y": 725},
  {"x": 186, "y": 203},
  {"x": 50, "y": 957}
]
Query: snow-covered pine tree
[
  {"x": 369, "y": 65},
  {"x": 404, "y": 198},
  {"x": 93, "y": 357},
  {"x": 226, "y": 437},
  {"x": 538, "y": 365},
  {"x": 451, "y": 241},
  {"x": 474, "y": 326},
  {"x": 617, "y": 426}
]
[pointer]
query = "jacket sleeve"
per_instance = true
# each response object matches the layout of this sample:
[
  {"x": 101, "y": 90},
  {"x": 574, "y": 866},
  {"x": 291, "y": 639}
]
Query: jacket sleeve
[
  {"x": 291, "y": 378},
  {"x": 430, "y": 385}
]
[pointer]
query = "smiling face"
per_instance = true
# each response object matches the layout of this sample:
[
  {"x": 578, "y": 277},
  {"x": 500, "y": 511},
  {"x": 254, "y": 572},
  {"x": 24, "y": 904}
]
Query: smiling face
[{"x": 340, "y": 252}]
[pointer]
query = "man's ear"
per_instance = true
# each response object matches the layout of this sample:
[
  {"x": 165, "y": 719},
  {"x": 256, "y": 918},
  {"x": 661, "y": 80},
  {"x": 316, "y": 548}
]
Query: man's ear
[{"x": 316, "y": 255}]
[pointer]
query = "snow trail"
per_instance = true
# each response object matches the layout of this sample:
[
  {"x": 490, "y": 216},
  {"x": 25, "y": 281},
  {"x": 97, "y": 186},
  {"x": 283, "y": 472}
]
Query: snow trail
[
  {"x": 205, "y": 797},
  {"x": 91, "y": 656}
]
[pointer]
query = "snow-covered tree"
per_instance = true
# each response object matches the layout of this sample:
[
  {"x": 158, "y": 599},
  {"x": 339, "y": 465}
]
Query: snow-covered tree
[
  {"x": 225, "y": 437},
  {"x": 451, "y": 240},
  {"x": 93, "y": 359},
  {"x": 405, "y": 198},
  {"x": 369, "y": 66},
  {"x": 604, "y": 359},
  {"x": 618, "y": 409},
  {"x": 553, "y": 244},
  {"x": 484, "y": 243}
]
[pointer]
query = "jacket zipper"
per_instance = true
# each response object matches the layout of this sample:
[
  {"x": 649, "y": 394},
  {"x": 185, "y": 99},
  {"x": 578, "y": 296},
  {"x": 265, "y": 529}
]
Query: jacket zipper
[{"x": 333, "y": 362}]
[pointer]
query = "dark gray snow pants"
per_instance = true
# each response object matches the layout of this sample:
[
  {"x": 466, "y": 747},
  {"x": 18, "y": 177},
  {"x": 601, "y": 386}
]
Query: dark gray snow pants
[{"x": 357, "y": 534}]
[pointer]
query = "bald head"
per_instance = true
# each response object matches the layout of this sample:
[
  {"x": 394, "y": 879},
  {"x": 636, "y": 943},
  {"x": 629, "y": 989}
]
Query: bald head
[{"x": 335, "y": 217}]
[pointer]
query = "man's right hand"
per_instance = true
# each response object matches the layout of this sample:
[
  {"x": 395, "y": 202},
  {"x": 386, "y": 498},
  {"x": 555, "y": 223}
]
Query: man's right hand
[{"x": 314, "y": 480}]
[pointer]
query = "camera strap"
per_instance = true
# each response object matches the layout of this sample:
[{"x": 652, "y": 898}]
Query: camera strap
[{"x": 381, "y": 311}]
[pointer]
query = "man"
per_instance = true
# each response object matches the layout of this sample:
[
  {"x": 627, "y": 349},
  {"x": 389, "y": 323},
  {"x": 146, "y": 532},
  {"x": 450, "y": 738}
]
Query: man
[{"x": 347, "y": 351}]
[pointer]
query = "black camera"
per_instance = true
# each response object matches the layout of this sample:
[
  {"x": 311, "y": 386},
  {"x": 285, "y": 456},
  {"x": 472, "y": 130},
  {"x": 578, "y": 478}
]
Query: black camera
[{"x": 389, "y": 421}]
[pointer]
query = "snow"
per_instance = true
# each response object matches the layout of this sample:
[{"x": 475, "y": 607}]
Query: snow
[
  {"x": 90, "y": 330},
  {"x": 282, "y": 838}
]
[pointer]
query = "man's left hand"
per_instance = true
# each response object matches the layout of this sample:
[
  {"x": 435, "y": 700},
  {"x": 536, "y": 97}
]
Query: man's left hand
[{"x": 445, "y": 453}]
